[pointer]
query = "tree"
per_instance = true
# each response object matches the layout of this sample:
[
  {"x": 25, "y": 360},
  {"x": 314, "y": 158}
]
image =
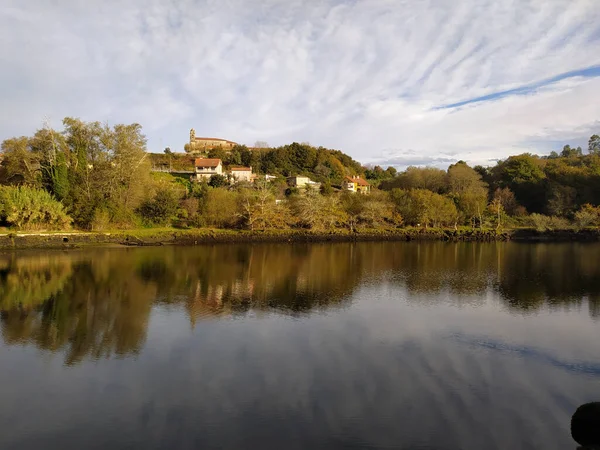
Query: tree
[
  {"x": 258, "y": 208},
  {"x": 51, "y": 148},
  {"x": 129, "y": 166},
  {"x": 316, "y": 211},
  {"x": 507, "y": 200},
  {"x": 428, "y": 178},
  {"x": 561, "y": 199},
  {"x": 594, "y": 145},
  {"x": 423, "y": 207},
  {"x": 19, "y": 165},
  {"x": 497, "y": 209},
  {"x": 524, "y": 175},
  {"x": 89, "y": 170},
  {"x": 160, "y": 209},
  {"x": 470, "y": 193},
  {"x": 569, "y": 152},
  {"x": 219, "y": 208},
  {"x": 218, "y": 181},
  {"x": 261, "y": 144}
]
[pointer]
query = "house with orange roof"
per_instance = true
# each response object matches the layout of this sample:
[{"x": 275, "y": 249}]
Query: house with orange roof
[
  {"x": 207, "y": 167},
  {"x": 356, "y": 184}
]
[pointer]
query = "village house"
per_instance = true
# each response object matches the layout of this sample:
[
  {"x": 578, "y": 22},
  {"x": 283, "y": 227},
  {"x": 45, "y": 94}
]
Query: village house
[
  {"x": 301, "y": 182},
  {"x": 356, "y": 184},
  {"x": 203, "y": 144},
  {"x": 242, "y": 174},
  {"x": 207, "y": 167}
]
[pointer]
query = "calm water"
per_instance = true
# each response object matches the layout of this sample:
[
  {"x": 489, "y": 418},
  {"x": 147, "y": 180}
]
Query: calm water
[{"x": 373, "y": 345}]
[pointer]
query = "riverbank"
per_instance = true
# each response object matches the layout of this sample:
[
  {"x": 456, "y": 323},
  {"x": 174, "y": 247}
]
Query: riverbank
[{"x": 158, "y": 237}]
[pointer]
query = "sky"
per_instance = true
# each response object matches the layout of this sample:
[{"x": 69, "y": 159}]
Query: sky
[{"x": 391, "y": 82}]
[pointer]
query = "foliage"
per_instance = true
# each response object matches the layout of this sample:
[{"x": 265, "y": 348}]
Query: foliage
[
  {"x": 428, "y": 178},
  {"x": 587, "y": 216},
  {"x": 377, "y": 173},
  {"x": 594, "y": 144},
  {"x": 259, "y": 210},
  {"x": 544, "y": 223},
  {"x": 161, "y": 209},
  {"x": 424, "y": 207},
  {"x": 88, "y": 166},
  {"x": 219, "y": 208},
  {"x": 101, "y": 176},
  {"x": 218, "y": 181},
  {"x": 31, "y": 209}
]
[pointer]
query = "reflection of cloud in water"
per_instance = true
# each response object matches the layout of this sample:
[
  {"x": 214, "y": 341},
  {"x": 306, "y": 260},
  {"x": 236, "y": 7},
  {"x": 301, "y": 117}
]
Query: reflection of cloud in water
[
  {"x": 530, "y": 353},
  {"x": 331, "y": 346}
]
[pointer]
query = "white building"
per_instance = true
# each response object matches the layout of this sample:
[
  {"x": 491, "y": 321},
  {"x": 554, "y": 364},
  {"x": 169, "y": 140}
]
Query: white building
[
  {"x": 302, "y": 182},
  {"x": 242, "y": 174},
  {"x": 207, "y": 167}
]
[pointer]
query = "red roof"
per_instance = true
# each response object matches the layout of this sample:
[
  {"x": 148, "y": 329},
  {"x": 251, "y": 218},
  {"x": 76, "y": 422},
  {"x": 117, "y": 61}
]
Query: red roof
[
  {"x": 357, "y": 180},
  {"x": 207, "y": 162},
  {"x": 242, "y": 169}
]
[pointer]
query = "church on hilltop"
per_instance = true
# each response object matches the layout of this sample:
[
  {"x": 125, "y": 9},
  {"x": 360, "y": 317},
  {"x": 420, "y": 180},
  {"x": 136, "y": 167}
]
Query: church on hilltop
[{"x": 203, "y": 144}]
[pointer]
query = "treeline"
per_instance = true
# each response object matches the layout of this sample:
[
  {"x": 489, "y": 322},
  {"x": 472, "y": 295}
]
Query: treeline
[
  {"x": 97, "y": 177},
  {"x": 547, "y": 192},
  {"x": 319, "y": 163}
]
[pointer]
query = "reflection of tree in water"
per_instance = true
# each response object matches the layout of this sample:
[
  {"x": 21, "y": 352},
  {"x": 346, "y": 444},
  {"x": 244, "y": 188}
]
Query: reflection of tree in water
[
  {"x": 27, "y": 281},
  {"x": 430, "y": 267},
  {"x": 532, "y": 276},
  {"x": 97, "y": 303},
  {"x": 100, "y": 311}
]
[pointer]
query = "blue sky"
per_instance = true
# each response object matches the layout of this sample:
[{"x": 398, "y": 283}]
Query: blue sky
[{"x": 388, "y": 81}]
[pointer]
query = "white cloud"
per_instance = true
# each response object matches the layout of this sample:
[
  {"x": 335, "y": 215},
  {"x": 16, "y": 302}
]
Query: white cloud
[{"x": 362, "y": 76}]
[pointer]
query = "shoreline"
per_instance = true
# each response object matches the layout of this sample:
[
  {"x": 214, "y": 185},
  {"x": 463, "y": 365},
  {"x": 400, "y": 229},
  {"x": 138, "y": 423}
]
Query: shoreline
[{"x": 161, "y": 237}]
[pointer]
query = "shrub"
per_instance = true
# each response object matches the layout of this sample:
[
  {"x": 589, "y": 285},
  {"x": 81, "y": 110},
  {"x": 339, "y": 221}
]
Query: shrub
[
  {"x": 160, "y": 209},
  {"x": 587, "y": 216},
  {"x": 544, "y": 223},
  {"x": 220, "y": 208},
  {"x": 32, "y": 209},
  {"x": 101, "y": 220},
  {"x": 218, "y": 181}
]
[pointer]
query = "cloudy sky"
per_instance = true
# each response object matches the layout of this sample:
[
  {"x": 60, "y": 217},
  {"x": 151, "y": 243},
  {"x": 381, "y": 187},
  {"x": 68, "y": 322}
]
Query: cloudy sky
[{"x": 390, "y": 81}]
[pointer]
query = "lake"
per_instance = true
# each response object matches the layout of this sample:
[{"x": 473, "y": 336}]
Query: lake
[{"x": 427, "y": 345}]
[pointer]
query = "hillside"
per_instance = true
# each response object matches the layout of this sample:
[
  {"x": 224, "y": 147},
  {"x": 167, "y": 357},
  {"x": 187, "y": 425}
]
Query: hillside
[{"x": 319, "y": 163}]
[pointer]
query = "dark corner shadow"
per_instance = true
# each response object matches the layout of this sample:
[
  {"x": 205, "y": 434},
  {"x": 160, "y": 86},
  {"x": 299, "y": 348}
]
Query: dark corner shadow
[{"x": 585, "y": 426}]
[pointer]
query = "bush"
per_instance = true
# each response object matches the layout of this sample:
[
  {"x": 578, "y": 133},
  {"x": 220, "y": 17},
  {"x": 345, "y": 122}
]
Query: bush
[
  {"x": 101, "y": 220},
  {"x": 32, "y": 209},
  {"x": 220, "y": 208},
  {"x": 587, "y": 216},
  {"x": 161, "y": 209},
  {"x": 218, "y": 181},
  {"x": 545, "y": 223}
]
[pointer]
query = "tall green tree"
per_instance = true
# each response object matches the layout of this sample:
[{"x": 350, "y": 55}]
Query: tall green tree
[
  {"x": 469, "y": 192},
  {"x": 594, "y": 145}
]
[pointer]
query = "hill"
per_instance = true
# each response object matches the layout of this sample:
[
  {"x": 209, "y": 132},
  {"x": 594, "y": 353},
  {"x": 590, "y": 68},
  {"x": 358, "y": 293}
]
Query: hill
[{"x": 319, "y": 163}]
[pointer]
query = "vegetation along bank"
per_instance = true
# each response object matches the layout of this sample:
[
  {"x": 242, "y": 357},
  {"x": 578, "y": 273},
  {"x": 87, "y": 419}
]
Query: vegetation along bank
[{"x": 89, "y": 178}]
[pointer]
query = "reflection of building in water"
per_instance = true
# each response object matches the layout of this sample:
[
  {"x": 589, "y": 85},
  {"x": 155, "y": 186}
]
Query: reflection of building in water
[{"x": 214, "y": 300}]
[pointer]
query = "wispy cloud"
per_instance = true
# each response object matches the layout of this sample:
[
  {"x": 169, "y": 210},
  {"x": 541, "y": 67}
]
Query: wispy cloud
[
  {"x": 589, "y": 72},
  {"x": 398, "y": 81}
]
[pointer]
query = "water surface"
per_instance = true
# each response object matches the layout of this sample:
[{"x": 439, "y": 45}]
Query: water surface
[{"x": 368, "y": 345}]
